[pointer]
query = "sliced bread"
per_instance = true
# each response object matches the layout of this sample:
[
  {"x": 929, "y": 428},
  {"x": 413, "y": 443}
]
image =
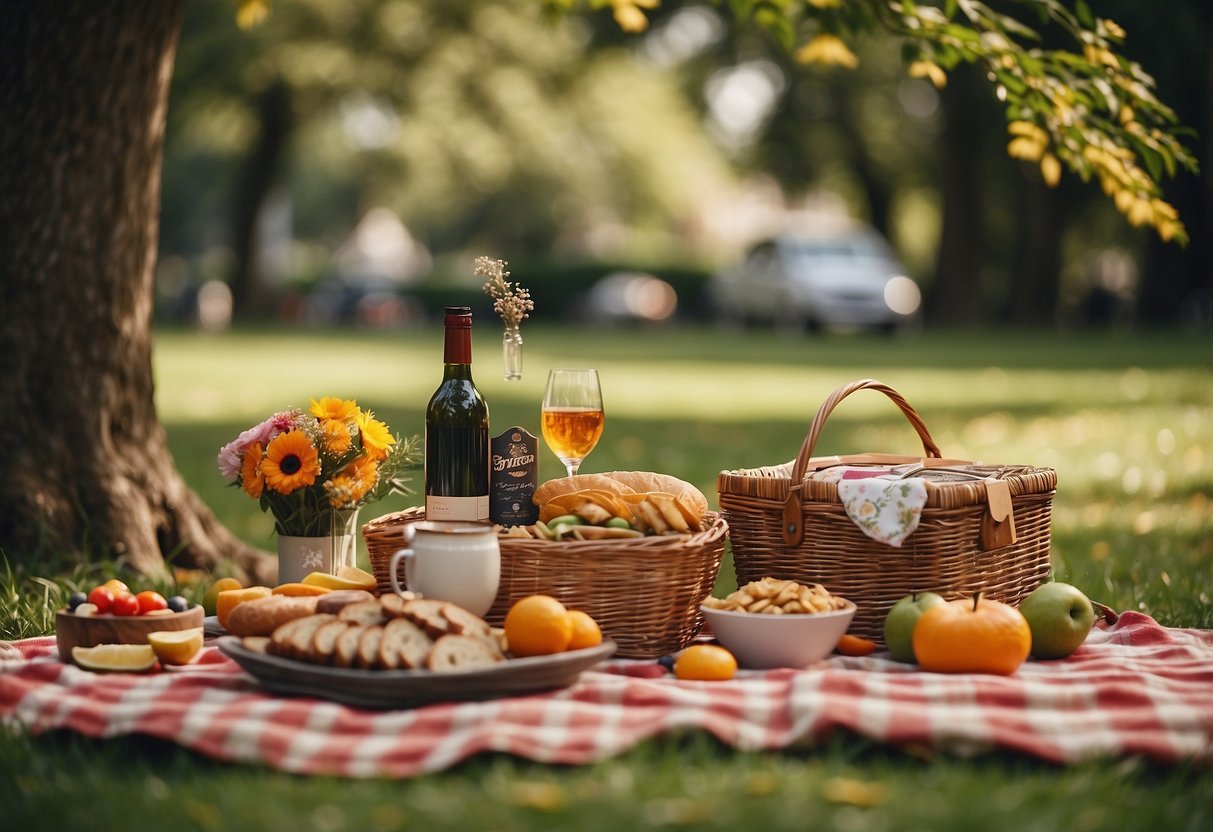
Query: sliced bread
[
  {"x": 404, "y": 645},
  {"x": 453, "y": 653}
]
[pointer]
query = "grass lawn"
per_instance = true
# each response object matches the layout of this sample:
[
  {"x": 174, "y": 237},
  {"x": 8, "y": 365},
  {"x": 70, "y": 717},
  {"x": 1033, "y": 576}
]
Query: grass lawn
[{"x": 1127, "y": 422}]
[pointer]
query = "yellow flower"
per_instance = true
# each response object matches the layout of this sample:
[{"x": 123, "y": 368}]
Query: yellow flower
[
  {"x": 930, "y": 70},
  {"x": 250, "y": 472},
  {"x": 827, "y": 50},
  {"x": 331, "y": 407},
  {"x": 290, "y": 462},
  {"x": 376, "y": 438},
  {"x": 337, "y": 439}
]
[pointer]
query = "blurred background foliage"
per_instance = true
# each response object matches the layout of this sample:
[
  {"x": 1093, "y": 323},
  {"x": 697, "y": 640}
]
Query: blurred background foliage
[{"x": 347, "y": 159}]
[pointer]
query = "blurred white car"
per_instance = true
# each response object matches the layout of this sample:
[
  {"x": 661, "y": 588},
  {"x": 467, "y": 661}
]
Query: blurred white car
[{"x": 839, "y": 279}]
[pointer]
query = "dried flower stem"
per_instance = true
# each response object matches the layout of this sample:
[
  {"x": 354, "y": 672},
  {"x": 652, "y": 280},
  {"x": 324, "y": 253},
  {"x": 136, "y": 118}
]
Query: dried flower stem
[{"x": 510, "y": 301}]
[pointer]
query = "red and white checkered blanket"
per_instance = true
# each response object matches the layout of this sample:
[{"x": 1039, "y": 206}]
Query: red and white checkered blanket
[{"x": 1134, "y": 688}]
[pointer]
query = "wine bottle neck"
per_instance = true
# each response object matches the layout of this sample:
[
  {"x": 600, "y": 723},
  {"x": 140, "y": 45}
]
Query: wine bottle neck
[{"x": 457, "y": 348}]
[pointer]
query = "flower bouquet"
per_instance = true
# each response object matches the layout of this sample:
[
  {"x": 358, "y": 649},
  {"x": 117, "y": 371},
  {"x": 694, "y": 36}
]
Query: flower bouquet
[{"x": 311, "y": 470}]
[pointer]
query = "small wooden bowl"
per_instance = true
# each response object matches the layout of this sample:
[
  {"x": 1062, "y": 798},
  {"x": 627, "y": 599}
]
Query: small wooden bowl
[{"x": 73, "y": 630}]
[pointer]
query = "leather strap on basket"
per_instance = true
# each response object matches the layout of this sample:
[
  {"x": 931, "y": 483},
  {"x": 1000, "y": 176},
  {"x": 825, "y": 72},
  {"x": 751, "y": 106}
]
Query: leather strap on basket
[{"x": 793, "y": 516}]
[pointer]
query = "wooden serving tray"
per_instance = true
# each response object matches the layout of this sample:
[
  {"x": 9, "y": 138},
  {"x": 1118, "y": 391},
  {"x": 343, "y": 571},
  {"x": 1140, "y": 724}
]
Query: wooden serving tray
[{"x": 73, "y": 630}]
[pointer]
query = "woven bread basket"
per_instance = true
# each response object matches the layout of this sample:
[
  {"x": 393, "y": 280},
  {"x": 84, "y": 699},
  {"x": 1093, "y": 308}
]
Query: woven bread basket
[
  {"x": 644, "y": 592},
  {"x": 984, "y": 528}
]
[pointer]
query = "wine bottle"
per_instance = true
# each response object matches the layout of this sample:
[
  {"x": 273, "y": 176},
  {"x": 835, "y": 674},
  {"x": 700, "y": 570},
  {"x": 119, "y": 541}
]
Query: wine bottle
[{"x": 457, "y": 432}]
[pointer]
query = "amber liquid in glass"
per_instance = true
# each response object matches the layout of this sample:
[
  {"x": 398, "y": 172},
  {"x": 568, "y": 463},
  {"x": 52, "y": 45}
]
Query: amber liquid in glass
[{"x": 572, "y": 432}]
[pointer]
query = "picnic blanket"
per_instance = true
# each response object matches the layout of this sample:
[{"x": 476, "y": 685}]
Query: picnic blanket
[{"x": 1133, "y": 689}]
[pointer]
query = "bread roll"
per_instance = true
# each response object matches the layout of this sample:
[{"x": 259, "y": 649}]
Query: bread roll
[
  {"x": 262, "y": 616},
  {"x": 579, "y": 482},
  {"x": 624, "y": 482},
  {"x": 646, "y": 481},
  {"x": 337, "y": 600}
]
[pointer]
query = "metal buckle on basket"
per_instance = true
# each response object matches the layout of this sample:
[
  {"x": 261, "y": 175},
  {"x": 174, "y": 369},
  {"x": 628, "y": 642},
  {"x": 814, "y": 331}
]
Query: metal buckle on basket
[{"x": 793, "y": 517}]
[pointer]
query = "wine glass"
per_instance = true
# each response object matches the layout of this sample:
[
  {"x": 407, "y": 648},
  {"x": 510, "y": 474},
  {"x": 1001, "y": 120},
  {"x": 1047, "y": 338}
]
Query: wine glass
[{"x": 572, "y": 415}]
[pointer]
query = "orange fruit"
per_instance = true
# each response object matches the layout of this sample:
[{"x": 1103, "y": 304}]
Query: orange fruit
[
  {"x": 972, "y": 636},
  {"x": 295, "y": 589},
  {"x": 850, "y": 645},
  {"x": 705, "y": 663},
  {"x": 212, "y": 594},
  {"x": 538, "y": 625},
  {"x": 229, "y": 599},
  {"x": 586, "y": 632}
]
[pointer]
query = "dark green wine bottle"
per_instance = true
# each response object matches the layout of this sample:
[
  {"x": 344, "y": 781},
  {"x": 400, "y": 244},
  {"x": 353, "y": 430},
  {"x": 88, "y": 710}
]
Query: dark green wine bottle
[{"x": 457, "y": 432}]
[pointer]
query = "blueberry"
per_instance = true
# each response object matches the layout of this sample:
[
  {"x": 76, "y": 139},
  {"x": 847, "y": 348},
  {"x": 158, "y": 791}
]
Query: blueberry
[
  {"x": 667, "y": 661},
  {"x": 178, "y": 604},
  {"x": 76, "y": 599}
]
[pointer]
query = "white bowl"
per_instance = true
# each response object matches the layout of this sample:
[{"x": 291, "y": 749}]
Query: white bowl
[{"x": 761, "y": 641}]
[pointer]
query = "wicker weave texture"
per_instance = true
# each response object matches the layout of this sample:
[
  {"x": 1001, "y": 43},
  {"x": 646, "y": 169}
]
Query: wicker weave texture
[
  {"x": 644, "y": 593},
  {"x": 766, "y": 508},
  {"x": 943, "y": 555}
]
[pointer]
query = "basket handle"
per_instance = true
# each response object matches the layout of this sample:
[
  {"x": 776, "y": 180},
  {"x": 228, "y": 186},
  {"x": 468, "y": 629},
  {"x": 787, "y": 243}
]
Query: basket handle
[
  {"x": 827, "y": 407},
  {"x": 793, "y": 523}
]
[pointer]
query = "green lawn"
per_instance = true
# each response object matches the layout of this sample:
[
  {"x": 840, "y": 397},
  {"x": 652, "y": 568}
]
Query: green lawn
[{"x": 1127, "y": 422}]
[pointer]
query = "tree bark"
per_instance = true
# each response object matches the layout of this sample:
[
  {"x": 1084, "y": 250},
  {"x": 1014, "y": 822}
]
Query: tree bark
[
  {"x": 257, "y": 177},
  {"x": 84, "y": 88},
  {"x": 1035, "y": 290}
]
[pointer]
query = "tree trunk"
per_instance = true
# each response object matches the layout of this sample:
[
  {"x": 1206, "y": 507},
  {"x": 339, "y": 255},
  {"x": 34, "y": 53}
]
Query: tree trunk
[
  {"x": 83, "y": 89},
  {"x": 1035, "y": 288},
  {"x": 955, "y": 297},
  {"x": 257, "y": 178}
]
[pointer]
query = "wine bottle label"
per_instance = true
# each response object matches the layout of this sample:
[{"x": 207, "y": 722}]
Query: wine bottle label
[
  {"x": 457, "y": 508},
  {"x": 513, "y": 475}
]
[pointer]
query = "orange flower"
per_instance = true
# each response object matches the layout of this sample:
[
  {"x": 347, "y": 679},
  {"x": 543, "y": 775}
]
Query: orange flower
[
  {"x": 250, "y": 472},
  {"x": 376, "y": 437},
  {"x": 353, "y": 483},
  {"x": 337, "y": 439},
  {"x": 290, "y": 462}
]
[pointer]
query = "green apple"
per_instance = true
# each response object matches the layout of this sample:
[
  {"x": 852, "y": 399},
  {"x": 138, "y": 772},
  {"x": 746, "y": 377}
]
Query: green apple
[
  {"x": 900, "y": 622},
  {"x": 1059, "y": 616}
]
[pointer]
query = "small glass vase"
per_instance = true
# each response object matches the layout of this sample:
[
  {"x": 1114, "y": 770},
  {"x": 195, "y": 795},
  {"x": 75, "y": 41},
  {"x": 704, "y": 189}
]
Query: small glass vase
[{"x": 511, "y": 353}]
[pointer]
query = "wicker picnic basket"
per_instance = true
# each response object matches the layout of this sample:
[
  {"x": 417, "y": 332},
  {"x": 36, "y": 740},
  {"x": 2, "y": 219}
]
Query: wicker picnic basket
[
  {"x": 644, "y": 593},
  {"x": 984, "y": 528}
]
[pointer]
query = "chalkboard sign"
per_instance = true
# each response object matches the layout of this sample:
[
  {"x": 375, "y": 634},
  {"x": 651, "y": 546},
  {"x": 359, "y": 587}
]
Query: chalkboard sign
[{"x": 514, "y": 473}]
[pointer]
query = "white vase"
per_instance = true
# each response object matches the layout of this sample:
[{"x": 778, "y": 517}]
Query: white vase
[{"x": 300, "y": 556}]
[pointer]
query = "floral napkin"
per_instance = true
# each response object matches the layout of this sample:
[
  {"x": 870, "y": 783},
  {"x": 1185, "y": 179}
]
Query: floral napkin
[{"x": 883, "y": 504}]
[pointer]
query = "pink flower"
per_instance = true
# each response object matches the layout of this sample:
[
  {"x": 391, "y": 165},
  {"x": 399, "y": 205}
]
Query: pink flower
[{"x": 231, "y": 454}]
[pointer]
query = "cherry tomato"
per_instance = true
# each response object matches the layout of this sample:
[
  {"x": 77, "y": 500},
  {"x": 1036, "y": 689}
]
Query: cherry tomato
[
  {"x": 102, "y": 598},
  {"x": 125, "y": 604},
  {"x": 115, "y": 586},
  {"x": 150, "y": 601}
]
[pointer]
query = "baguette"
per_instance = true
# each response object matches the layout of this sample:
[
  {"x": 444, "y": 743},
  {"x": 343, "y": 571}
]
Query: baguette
[
  {"x": 261, "y": 616},
  {"x": 345, "y": 652},
  {"x": 403, "y": 645},
  {"x": 427, "y": 614},
  {"x": 454, "y": 653},
  {"x": 464, "y": 623},
  {"x": 324, "y": 641},
  {"x": 368, "y": 648},
  {"x": 364, "y": 613},
  {"x": 294, "y": 639}
]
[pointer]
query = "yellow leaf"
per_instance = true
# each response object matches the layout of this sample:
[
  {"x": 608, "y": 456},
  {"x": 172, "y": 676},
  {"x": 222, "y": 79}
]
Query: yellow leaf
[
  {"x": 931, "y": 71},
  {"x": 1050, "y": 169},
  {"x": 1023, "y": 148},
  {"x": 827, "y": 49},
  {"x": 252, "y": 12}
]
